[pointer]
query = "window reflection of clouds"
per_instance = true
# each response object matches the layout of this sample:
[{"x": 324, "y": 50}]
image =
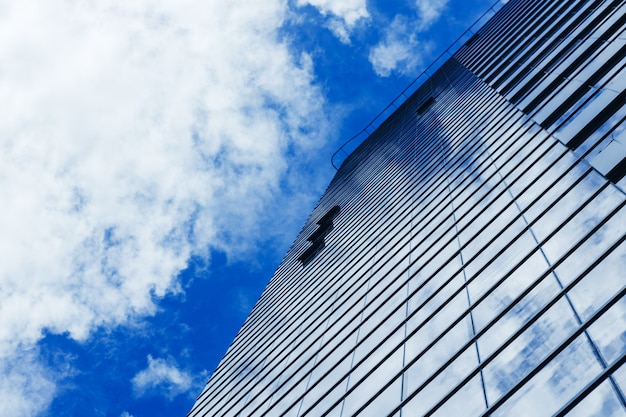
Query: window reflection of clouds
[
  {"x": 526, "y": 352},
  {"x": 605, "y": 280},
  {"x": 620, "y": 377},
  {"x": 519, "y": 315},
  {"x": 609, "y": 332},
  {"x": 602, "y": 402},
  {"x": 593, "y": 248},
  {"x": 555, "y": 384},
  {"x": 537, "y": 332},
  {"x": 548, "y": 329}
]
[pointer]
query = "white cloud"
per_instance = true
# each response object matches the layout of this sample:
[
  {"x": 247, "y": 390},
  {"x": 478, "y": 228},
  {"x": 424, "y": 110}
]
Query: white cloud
[
  {"x": 344, "y": 14},
  {"x": 339, "y": 29},
  {"x": 162, "y": 378},
  {"x": 400, "y": 50},
  {"x": 350, "y": 11},
  {"x": 26, "y": 386},
  {"x": 133, "y": 135},
  {"x": 429, "y": 11}
]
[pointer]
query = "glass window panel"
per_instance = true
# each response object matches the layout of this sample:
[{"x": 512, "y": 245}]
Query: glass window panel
[
  {"x": 378, "y": 309},
  {"x": 523, "y": 137},
  {"x": 432, "y": 359},
  {"x": 620, "y": 377},
  {"x": 618, "y": 82},
  {"x": 585, "y": 114},
  {"x": 562, "y": 161},
  {"x": 610, "y": 151},
  {"x": 610, "y": 49},
  {"x": 422, "y": 304},
  {"x": 602, "y": 402},
  {"x": 465, "y": 215},
  {"x": 472, "y": 187},
  {"x": 536, "y": 48},
  {"x": 315, "y": 339},
  {"x": 286, "y": 410},
  {"x": 427, "y": 219},
  {"x": 532, "y": 73},
  {"x": 331, "y": 339},
  {"x": 577, "y": 52},
  {"x": 567, "y": 205},
  {"x": 481, "y": 158},
  {"x": 357, "y": 264},
  {"x": 513, "y": 284},
  {"x": 508, "y": 290},
  {"x": 382, "y": 405},
  {"x": 393, "y": 262},
  {"x": 301, "y": 361},
  {"x": 514, "y": 319},
  {"x": 335, "y": 412},
  {"x": 497, "y": 227},
  {"x": 500, "y": 263},
  {"x": 619, "y": 12},
  {"x": 426, "y": 243},
  {"x": 394, "y": 238},
  {"x": 353, "y": 292},
  {"x": 314, "y": 331},
  {"x": 285, "y": 392},
  {"x": 444, "y": 260},
  {"x": 589, "y": 251},
  {"x": 425, "y": 240},
  {"x": 609, "y": 332},
  {"x": 555, "y": 100},
  {"x": 315, "y": 406},
  {"x": 555, "y": 384},
  {"x": 468, "y": 401},
  {"x": 435, "y": 218},
  {"x": 319, "y": 385},
  {"x": 369, "y": 359},
  {"x": 285, "y": 399},
  {"x": 556, "y": 190},
  {"x": 470, "y": 224},
  {"x": 523, "y": 167},
  {"x": 333, "y": 352},
  {"x": 432, "y": 393},
  {"x": 437, "y": 194},
  {"x": 343, "y": 321},
  {"x": 433, "y": 328},
  {"x": 603, "y": 282},
  {"x": 527, "y": 350},
  {"x": 248, "y": 387}
]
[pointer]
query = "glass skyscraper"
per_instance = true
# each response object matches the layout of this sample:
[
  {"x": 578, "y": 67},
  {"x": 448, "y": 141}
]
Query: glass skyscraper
[{"x": 469, "y": 257}]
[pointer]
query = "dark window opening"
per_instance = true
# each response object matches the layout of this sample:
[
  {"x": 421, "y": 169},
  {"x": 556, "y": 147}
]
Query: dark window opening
[
  {"x": 425, "y": 105},
  {"x": 328, "y": 217},
  {"x": 311, "y": 252},
  {"x": 317, "y": 237}
]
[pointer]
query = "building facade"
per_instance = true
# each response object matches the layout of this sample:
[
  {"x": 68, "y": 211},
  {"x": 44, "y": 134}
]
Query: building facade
[{"x": 468, "y": 258}]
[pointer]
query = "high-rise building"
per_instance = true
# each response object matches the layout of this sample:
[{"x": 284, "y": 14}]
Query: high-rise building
[{"x": 468, "y": 258}]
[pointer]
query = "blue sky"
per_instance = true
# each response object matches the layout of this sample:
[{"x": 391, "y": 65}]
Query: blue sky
[{"x": 156, "y": 160}]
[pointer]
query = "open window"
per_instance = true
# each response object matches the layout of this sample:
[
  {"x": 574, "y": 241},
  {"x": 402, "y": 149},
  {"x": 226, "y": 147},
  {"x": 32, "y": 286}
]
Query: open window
[{"x": 325, "y": 225}]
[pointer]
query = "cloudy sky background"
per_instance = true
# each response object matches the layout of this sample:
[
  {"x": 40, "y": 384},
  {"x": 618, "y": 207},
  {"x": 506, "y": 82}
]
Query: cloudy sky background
[{"x": 157, "y": 158}]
